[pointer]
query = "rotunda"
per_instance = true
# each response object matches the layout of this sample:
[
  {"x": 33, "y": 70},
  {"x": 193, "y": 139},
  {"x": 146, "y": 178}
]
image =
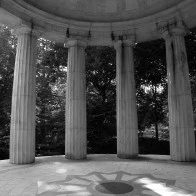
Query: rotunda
[{"x": 118, "y": 23}]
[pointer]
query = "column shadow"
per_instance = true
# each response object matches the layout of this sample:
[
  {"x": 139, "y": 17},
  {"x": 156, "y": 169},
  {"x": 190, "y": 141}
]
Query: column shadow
[{"x": 117, "y": 183}]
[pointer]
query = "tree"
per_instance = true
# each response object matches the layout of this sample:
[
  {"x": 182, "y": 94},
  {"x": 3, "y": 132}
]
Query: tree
[
  {"x": 50, "y": 89},
  {"x": 7, "y": 60},
  {"x": 101, "y": 99},
  {"x": 191, "y": 55},
  {"x": 151, "y": 83}
]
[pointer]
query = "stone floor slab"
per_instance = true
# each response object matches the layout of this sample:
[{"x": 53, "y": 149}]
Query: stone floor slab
[{"x": 149, "y": 175}]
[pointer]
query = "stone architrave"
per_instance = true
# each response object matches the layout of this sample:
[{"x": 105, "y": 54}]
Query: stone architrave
[
  {"x": 181, "y": 123},
  {"x": 127, "y": 122},
  {"x": 22, "y": 132},
  {"x": 76, "y": 133}
]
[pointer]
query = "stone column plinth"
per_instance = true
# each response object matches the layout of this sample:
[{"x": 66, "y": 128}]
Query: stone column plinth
[
  {"x": 76, "y": 134},
  {"x": 22, "y": 132},
  {"x": 127, "y": 123},
  {"x": 181, "y": 124}
]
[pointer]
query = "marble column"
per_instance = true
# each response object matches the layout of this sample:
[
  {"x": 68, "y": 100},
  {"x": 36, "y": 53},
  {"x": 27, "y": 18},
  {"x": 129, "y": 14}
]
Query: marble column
[
  {"x": 76, "y": 134},
  {"x": 127, "y": 123},
  {"x": 181, "y": 123},
  {"x": 22, "y": 132}
]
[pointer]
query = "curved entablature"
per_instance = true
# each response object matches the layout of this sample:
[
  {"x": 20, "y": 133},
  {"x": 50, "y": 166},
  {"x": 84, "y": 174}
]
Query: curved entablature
[{"x": 97, "y": 21}]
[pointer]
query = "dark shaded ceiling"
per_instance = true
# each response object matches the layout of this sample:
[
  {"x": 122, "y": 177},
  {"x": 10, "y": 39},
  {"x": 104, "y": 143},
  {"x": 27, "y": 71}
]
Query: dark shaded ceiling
[{"x": 101, "y": 10}]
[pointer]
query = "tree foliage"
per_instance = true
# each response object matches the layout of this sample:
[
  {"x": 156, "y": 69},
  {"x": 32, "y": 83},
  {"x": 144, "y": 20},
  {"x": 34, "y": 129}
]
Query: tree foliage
[
  {"x": 101, "y": 101},
  {"x": 151, "y": 83},
  {"x": 7, "y": 60},
  {"x": 50, "y": 90},
  {"x": 191, "y": 54}
]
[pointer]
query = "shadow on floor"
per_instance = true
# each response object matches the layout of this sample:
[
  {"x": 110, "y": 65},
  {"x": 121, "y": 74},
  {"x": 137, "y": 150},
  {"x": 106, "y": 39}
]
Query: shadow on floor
[{"x": 118, "y": 183}]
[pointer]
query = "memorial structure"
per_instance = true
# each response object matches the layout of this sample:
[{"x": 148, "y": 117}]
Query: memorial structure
[{"x": 118, "y": 23}]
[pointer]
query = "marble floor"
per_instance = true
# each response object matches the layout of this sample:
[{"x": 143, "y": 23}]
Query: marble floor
[{"x": 148, "y": 175}]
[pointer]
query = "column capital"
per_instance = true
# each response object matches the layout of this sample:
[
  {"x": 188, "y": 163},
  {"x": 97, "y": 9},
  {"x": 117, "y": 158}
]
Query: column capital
[
  {"x": 174, "y": 28},
  {"x": 118, "y": 44},
  {"x": 24, "y": 29},
  {"x": 124, "y": 43},
  {"x": 179, "y": 31},
  {"x": 129, "y": 43},
  {"x": 75, "y": 42},
  {"x": 166, "y": 35}
]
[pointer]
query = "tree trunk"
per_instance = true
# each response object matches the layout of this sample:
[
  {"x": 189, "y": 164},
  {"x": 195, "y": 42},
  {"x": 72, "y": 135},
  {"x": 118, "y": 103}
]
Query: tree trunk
[
  {"x": 157, "y": 131},
  {"x": 155, "y": 114}
]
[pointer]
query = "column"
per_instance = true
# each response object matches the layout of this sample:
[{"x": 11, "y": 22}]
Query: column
[
  {"x": 22, "y": 132},
  {"x": 181, "y": 124},
  {"x": 76, "y": 134},
  {"x": 127, "y": 123}
]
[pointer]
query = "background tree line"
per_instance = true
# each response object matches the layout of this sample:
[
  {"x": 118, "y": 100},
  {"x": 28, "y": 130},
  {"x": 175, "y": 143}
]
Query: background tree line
[{"x": 151, "y": 85}]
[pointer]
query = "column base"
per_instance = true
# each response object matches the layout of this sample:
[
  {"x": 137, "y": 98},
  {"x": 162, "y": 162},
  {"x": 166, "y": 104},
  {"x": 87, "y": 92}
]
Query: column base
[
  {"x": 127, "y": 156},
  {"x": 193, "y": 159},
  {"x": 21, "y": 162},
  {"x": 73, "y": 157}
]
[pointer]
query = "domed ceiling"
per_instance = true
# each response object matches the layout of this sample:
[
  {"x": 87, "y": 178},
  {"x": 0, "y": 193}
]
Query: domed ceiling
[
  {"x": 101, "y": 10},
  {"x": 98, "y": 21}
]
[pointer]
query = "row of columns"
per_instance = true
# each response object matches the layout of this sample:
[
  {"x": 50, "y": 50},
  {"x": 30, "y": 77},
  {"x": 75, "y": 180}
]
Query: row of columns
[{"x": 22, "y": 133}]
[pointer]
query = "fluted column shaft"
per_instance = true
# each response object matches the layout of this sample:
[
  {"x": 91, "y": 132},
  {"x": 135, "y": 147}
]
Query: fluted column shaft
[
  {"x": 127, "y": 123},
  {"x": 76, "y": 134},
  {"x": 22, "y": 132},
  {"x": 181, "y": 124}
]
